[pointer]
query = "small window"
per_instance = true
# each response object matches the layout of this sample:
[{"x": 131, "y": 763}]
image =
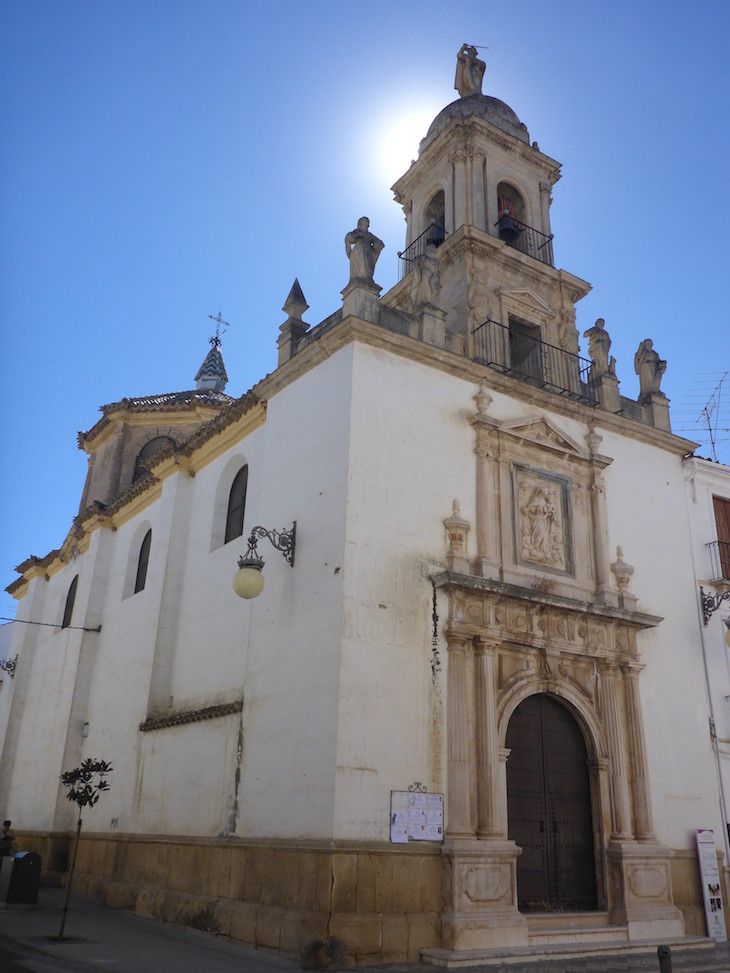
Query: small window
[
  {"x": 148, "y": 450},
  {"x": 722, "y": 522},
  {"x": 144, "y": 557},
  {"x": 236, "y": 505},
  {"x": 70, "y": 599}
]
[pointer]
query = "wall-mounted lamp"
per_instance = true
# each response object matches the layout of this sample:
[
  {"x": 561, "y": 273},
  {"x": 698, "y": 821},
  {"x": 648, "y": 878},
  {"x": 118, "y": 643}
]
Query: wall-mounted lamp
[
  {"x": 710, "y": 604},
  {"x": 248, "y": 582}
]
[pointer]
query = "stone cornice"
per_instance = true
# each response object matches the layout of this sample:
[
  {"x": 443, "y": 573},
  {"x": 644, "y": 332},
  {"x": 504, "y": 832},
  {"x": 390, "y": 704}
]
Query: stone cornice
[
  {"x": 499, "y": 590},
  {"x": 353, "y": 329},
  {"x": 467, "y": 134}
]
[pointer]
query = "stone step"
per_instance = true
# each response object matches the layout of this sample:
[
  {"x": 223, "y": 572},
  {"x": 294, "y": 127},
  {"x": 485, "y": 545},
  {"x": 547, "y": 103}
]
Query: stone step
[
  {"x": 559, "y": 920},
  {"x": 640, "y": 955}
]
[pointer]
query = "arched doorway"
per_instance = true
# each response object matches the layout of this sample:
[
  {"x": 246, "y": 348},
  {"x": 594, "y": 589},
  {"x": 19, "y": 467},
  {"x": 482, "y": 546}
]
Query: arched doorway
[{"x": 549, "y": 808}]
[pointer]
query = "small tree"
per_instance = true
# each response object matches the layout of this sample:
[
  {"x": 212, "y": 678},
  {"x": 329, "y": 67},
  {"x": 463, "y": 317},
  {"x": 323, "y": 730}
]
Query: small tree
[{"x": 84, "y": 786}]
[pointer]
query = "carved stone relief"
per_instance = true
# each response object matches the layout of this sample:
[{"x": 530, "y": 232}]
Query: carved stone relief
[{"x": 541, "y": 518}]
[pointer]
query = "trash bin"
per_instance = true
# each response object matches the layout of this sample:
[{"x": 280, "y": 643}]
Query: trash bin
[{"x": 20, "y": 879}]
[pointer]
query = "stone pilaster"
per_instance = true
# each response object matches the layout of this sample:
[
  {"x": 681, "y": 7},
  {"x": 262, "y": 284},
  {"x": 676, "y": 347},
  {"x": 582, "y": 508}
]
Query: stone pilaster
[
  {"x": 485, "y": 706},
  {"x": 640, "y": 793},
  {"x": 621, "y": 816},
  {"x": 487, "y": 561},
  {"x": 460, "y": 732},
  {"x": 460, "y": 211}
]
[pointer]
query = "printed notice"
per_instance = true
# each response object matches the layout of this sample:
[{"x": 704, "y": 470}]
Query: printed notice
[
  {"x": 710, "y": 876},
  {"x": 416, "y": 816}
]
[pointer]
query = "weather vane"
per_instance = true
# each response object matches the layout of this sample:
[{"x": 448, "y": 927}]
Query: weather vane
[{"x": 220, "y": 326}]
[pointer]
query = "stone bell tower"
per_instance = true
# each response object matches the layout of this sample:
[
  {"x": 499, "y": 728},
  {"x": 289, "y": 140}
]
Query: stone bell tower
[{"x": 480, "y": 192}]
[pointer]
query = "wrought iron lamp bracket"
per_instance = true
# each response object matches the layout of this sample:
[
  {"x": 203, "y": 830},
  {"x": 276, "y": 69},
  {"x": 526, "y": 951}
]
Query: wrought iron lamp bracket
[
  {"x": 9, "y": 666},
  {"x": 710, "y": 603},
  {"x": 282, "y": 540}
]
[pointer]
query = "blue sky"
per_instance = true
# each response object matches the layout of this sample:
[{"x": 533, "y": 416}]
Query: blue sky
[{"x": 162, "y": 161}]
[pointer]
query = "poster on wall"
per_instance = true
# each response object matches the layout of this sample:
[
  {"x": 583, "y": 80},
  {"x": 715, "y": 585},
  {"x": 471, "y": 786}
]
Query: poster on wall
[
  {"x": 416, "y": 816},
  {"x": 710, "y": 877}
]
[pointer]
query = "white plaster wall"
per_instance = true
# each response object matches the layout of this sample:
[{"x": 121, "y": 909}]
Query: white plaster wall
[{"x": 647, "y": 517}]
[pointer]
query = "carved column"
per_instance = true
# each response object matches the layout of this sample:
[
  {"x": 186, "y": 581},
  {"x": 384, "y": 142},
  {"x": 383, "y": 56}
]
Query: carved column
[
  {"x": 605, "y": 595},
  {"x": 619, "y": 783},
  {"x": 459, "y": 739},
  {"x": 545, "y": 200},
  {"x": 487, "y": 498},
  {"x": 479, "y": 212},
  {"x": 485, "y": 704},
  {"x": 640, "y": 794},
  {"x": 460, "y": 211}
]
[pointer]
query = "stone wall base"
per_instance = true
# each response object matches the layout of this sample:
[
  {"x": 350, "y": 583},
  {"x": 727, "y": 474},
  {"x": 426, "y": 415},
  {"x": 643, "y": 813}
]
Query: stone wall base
[{"x": 329, "y": 903}]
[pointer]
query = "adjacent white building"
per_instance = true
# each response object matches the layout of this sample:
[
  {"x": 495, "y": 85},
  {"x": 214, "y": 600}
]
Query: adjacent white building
[{"x": 493, "y": 598}]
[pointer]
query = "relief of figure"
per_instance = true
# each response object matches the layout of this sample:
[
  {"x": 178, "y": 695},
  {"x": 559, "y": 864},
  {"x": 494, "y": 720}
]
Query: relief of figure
[
  {"x": 363, "y": 249},
  {"x": 599, "y": 345},
  {"x": 469, "y": 72},
  {"x": 426, "y": 285},
  {"x": 541, "y": 533},
  {"x": 650, "y": 368}
]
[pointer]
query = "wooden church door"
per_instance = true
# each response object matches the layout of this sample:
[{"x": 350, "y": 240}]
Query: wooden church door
[{"x": 549, "y": 808}]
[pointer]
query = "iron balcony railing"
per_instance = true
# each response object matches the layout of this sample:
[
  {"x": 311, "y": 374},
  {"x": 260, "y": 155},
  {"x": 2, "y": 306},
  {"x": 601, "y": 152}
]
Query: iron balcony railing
[
  {"x": 432, "y": 234},
  {"x": 719, "y": 552},
  {"x": 515, "y": 352},
  {"x": 526, "y": 239}
]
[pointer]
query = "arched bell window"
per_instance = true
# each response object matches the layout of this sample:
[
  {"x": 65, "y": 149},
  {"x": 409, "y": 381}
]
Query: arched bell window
[
  {"x": 148, "y": 450},
  {"x": 511, "y": 212},
  {"x": 142, "y": 562},
  {"x": 236, "y": 505},
  {"x": 70, "y": 599},
  {"x": 436, "y": 218}
]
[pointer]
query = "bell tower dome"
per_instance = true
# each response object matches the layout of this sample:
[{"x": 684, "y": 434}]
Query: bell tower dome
[{"x": 480, "y": 192}]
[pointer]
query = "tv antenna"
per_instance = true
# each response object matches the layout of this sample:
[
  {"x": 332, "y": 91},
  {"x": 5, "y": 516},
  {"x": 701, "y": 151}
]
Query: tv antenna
[
  {"x": 220, "y": 327},
  {"x": 713, "y": 419}
]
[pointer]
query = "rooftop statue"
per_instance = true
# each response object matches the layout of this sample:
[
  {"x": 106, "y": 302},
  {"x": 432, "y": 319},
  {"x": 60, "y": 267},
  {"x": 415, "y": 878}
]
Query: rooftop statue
[
  {"x": 363, "y": 249},
  {"x": 650, "y": 368},
  {"x": 469, "y": 71},
  {"x": 599, "y": 345}
]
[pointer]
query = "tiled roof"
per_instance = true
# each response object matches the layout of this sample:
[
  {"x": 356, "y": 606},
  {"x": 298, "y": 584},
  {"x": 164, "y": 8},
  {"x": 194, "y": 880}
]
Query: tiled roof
[
  {"x": 166, "y": 402},
  {"x": 213, "y": 369}
]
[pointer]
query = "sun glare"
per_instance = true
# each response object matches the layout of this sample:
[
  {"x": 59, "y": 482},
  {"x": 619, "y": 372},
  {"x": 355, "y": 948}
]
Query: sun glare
[{"x": 400, "y": 140}]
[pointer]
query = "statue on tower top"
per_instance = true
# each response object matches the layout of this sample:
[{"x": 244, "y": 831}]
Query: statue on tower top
[{"x": 469, "y": 71}]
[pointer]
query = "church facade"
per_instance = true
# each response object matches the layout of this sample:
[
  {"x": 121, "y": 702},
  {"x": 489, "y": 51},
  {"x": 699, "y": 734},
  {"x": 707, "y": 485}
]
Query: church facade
[{"x": 488, "y": 594}]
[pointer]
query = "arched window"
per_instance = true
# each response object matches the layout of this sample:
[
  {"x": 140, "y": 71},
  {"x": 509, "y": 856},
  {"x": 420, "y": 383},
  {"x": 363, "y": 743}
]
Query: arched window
[
  {"x": 70, "y": 599},
  {"x": 147, "y": 450},
  {"x": 144, "y": 557},
  {"x": 236, "y": 505},
  {"x": 436, "y": 218}
]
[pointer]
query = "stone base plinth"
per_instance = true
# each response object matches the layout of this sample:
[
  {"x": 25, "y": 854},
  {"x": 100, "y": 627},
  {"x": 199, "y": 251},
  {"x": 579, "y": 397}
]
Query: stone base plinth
[
  {"x": 431, "y": 325},
  {"x": 607, "y": 393},
  {"x": 656, "y": 411},
  {"x": 479, "y": 909},
  {"x": 641, "y": 890},
  {"x": 361, "y": 299}
]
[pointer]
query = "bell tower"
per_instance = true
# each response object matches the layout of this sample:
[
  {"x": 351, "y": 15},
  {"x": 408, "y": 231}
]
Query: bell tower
[{"x": 480, "y": 193}]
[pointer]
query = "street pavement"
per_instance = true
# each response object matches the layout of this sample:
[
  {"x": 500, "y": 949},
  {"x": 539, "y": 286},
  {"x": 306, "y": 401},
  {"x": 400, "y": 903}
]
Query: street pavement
[{"x": 99, "y": 938}]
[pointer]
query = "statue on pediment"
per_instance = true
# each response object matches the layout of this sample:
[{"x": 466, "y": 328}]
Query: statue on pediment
[
  {"x": 469, "y": 71},
  {"x": 650, "y": 368},
  {"x": 599, "y": 345},
  {"x": 363, "y": 249}
]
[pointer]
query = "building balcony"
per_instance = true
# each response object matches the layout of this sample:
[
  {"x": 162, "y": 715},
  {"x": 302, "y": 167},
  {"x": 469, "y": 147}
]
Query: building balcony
[
  {"x": 719, "y": 553},
  {"x": 515, "y": 352},
  {"x": 526, "y": 239},
  {"x": 434, "y": 234}
]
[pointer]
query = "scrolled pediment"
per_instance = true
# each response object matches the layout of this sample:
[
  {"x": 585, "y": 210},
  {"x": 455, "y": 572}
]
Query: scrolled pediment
[
  {"x": 545, "y": 433},
  {"x": 526, "y": 299}
]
